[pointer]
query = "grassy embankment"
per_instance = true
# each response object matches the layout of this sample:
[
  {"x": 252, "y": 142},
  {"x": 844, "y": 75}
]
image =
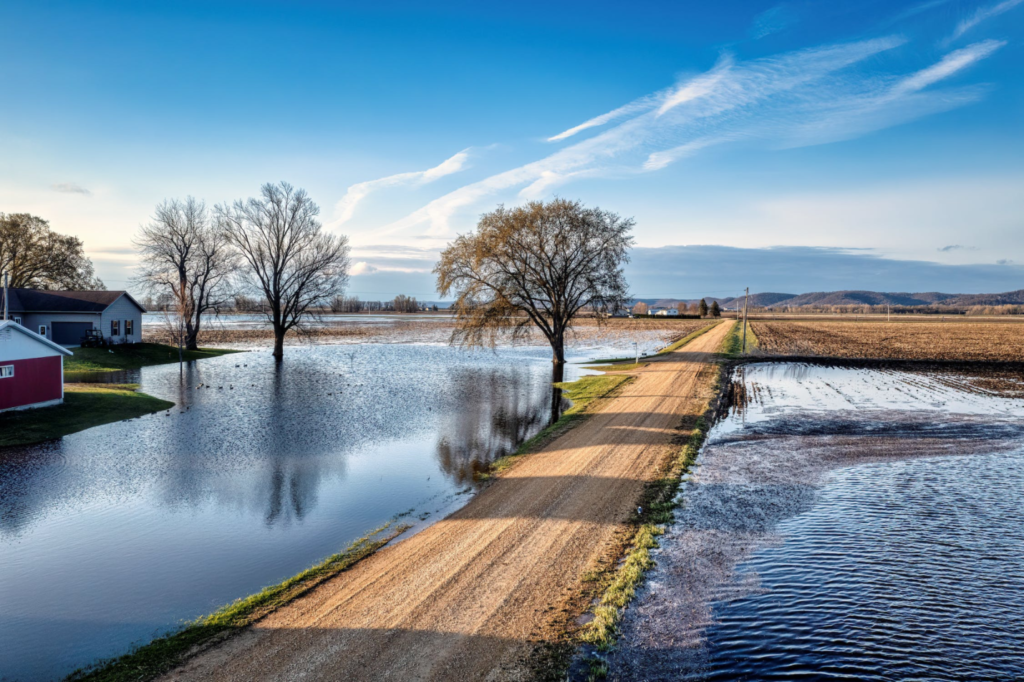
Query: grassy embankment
[
  {"x": 617, "y": 585},
  {"x": 85, "y": 406},
  {"x": 132, "y": 356},
  {"x": 153, "y": 659}
]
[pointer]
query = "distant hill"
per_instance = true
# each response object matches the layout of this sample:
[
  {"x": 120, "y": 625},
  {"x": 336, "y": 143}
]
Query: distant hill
[{"x": 854, "y": 298}]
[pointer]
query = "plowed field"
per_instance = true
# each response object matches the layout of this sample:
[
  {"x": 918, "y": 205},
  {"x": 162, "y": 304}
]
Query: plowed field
[{"x": 964, "y": 341}]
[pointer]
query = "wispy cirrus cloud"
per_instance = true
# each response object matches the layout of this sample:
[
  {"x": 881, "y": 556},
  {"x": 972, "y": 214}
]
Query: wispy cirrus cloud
[
  {"x": 800, "y": 98},
  {"x": 70, "y": 188},
  {"x": 346, "y": 207},
  {"x": 772, "y": 20},
  {"x": 982, "y": 14}
]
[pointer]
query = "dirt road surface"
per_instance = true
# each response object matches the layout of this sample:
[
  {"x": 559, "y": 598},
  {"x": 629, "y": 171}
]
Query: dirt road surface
[{"x": 466, "y": 598}]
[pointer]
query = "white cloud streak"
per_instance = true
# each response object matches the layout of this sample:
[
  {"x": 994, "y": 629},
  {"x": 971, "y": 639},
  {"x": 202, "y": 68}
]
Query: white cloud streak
[
  {"x": 796, "y": 99},
  {"x": 345, "y": 208},
  {"x": 70, "y": 188},
  {"x": 634, "y": 107},
  {"x": 982, "y": 14}
]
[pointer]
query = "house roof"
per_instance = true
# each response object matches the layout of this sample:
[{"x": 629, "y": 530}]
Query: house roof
[
  {"x": 39, "y": 301},
  {"x": 14, "y": 326}
]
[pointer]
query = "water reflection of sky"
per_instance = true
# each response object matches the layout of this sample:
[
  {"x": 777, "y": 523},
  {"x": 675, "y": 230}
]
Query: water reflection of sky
[
  {"x": 860, "y": 524},
  {"x": 112, "y": 535}
]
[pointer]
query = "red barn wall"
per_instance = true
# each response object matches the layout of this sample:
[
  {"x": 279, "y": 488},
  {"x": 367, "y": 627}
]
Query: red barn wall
[{"x": 35, "y": 380}]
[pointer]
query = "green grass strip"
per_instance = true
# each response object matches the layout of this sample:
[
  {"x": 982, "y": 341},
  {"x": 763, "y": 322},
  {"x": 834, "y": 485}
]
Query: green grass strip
[
  {"x": 84, "y": 406},
  {"x": 133, "y": 356},
  {"x": 153, "y": 659},
  {"x": 732, "y": 346}
]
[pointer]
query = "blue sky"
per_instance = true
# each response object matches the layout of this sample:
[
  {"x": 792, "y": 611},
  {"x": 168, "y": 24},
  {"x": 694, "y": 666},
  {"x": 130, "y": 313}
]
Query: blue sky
[{"x": 888, "y": 133}]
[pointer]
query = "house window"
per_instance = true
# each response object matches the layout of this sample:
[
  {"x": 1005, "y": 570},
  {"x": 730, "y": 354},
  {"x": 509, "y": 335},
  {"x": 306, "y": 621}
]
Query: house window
[
  {"x": 115, "y": 327},
  {"x": 128, "y": 327},
  {"x": 6, "y": 371},
  {"x": 42, "y": 330},
  {"x": 17, "y": 320}
]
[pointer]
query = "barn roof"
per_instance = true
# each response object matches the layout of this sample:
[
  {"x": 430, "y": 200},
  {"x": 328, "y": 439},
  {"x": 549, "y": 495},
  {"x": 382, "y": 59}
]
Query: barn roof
[
  {"x": 14, "y": 326},
  {"x": 38, "y": 301}
]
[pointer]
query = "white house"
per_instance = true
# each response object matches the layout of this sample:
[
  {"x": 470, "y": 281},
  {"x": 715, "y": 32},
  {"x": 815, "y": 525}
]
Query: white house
[
  {"x": 65, "y": 316},
  {"x": 667, "y": 311}
]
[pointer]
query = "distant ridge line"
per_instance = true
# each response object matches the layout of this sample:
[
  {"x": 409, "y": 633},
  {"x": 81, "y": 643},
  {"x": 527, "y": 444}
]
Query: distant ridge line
[{"x": 854, "y": 298}]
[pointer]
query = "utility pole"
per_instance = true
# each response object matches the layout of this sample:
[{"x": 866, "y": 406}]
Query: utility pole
[
  {"x": 887, "y": 313},
  {"x": 5, "y": 297},
  {"x": 746, "y": 294}
]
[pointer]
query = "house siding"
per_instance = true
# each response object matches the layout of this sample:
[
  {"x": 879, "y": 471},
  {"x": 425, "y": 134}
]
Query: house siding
[
  {"x": 35, "y": 320},
  {"x": 35, "y": 380},
  {"x": 122, "y": 309}
]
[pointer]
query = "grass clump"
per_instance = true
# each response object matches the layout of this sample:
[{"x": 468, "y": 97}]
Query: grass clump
[
  {"x": 584, "y": 394},
  {"x": 160, "y": 655},
  {"x": 133, "y": 356},
  {"x": 84, "y": 406}
]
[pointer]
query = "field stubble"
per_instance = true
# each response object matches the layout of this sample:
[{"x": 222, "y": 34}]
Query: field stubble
[{"x": 946, "y": 341}]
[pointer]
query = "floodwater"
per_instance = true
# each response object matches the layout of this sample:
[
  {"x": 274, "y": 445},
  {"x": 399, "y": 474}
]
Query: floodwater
[
  {"x": 844, "y": 524},
  {"x": 114, "y": 535},
  {"x": 259, "y": 321}
]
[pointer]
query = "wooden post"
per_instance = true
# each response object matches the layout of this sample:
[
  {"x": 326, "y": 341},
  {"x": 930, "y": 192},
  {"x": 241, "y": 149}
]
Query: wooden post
[{"x": 746, "y": 294}]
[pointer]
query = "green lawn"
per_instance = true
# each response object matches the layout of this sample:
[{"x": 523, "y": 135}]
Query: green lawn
[
  {"x": 132, "y": 356},
  {"x": 85, "y": 406}
]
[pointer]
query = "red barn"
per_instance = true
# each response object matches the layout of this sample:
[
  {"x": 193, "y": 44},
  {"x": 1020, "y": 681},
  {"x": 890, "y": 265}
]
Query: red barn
[{"x": 31, "y": 368}]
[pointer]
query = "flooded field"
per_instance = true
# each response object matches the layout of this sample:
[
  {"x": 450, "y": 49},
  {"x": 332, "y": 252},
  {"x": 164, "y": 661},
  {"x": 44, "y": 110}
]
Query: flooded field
[
  {"x": 113, "y": 535},
  {"x": 845, "y": 524},
  {"x": 253, "y": 331}
]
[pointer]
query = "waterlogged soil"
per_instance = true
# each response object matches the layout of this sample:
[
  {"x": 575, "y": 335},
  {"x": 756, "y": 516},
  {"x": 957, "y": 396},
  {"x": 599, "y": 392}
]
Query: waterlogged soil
[
  {"x": 844, "y": 524},
  {"x": 114, "y": 535}
]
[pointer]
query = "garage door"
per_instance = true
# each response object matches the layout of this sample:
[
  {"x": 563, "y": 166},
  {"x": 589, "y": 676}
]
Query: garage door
[{"x": 70, "y": 333}]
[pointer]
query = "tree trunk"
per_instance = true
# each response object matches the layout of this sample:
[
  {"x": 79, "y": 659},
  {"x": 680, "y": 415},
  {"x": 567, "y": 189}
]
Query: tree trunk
[
  {"x": 279, "y": 333},
  {"x": 557, "y": 375},
  {"x": 192, "y": 336},
  {"x": 558, "y": 350}
]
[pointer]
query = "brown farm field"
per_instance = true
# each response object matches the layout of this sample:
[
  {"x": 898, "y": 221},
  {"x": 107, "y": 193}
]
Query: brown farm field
[{"x": 947, "y": 341}]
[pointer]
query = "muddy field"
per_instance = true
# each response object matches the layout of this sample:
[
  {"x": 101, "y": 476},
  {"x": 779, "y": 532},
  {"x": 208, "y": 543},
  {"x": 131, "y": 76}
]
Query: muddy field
[
  {"x": 953, "y": 341},
  {"x": 434, "y": 330}
]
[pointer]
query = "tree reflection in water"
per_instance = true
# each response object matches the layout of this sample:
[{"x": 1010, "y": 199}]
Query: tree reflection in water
[{"x": 500, "y": 410}]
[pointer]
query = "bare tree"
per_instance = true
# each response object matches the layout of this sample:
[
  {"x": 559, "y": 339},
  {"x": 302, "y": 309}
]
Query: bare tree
[
  {"x": 290, "y": 260},
  {"x": 534, "y": 265},
  {"x": 640, "y": 308},
  {"x": 186, "y": 252}
]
